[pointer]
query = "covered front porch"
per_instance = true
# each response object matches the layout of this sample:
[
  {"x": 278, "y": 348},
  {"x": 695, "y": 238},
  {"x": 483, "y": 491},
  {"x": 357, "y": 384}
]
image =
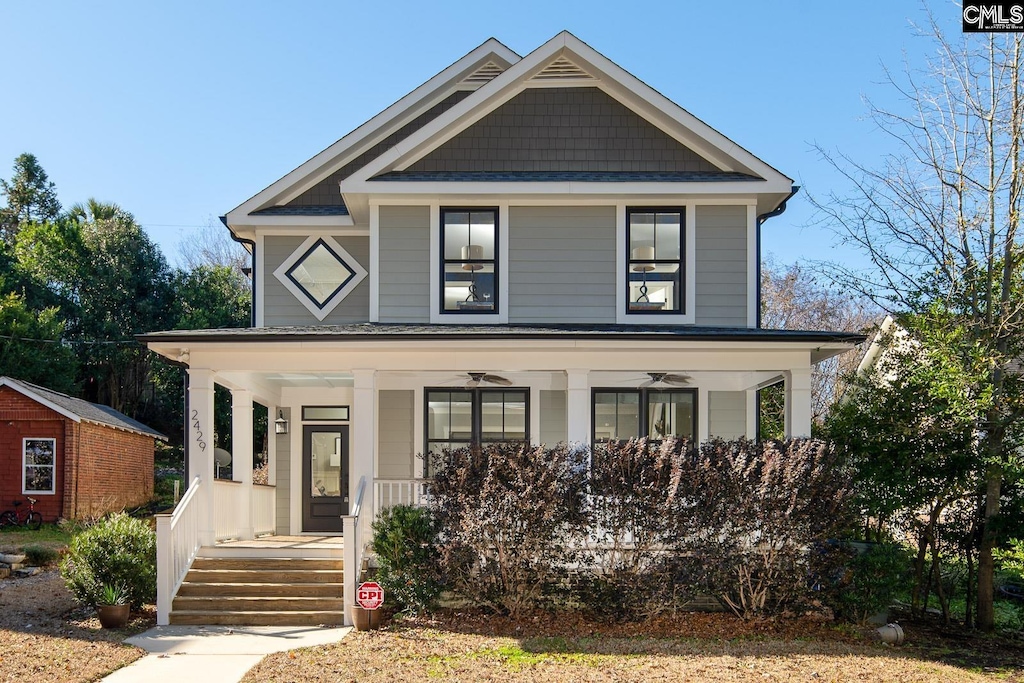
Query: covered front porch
[{"x": 351, "y": 417}]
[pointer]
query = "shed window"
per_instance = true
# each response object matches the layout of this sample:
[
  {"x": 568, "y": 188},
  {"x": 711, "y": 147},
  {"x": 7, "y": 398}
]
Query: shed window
[{"x": 38, "y": 464}]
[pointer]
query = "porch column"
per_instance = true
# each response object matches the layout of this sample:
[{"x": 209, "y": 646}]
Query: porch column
[
  {"x": 752, "y": 414},
  {"x": 361, "y": 457},
  {"x": 200, "y": 447},
  {"x": 577, "y": 406},
  {"x": 798, "y": 402},
  {"x": 241, "y": 456}
]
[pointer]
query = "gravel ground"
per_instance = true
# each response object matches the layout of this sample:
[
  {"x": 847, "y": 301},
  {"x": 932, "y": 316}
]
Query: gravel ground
[
  {"x": 700, "y": 647},
  {"x": 46, "y": 637}
]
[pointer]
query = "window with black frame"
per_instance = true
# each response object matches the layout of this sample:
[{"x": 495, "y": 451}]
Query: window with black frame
[
  {"x": 456, "y": 418},
  {"x": 469, "y": 268},
  {"x": 654, "y": 260},
  {"x": 622, "y": 414}
]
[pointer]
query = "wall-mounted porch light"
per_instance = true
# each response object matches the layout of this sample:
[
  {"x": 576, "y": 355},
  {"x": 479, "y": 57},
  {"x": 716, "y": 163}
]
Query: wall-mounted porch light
[{"x": 280, "y": 424}]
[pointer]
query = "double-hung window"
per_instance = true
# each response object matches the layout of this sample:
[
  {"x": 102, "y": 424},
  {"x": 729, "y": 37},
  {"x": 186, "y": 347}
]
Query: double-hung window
[
  {"x": 459, "y": 417},
  {"x": 621, "y": 414},
  {"x": 654, "y": 260},
  {"x": 39, "y": 457},
  {"x": 469, "y": 261}
]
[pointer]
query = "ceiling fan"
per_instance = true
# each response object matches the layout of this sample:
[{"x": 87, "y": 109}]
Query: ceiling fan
[
  {"x": 475, "y": 378},
  {"x": 666, "y": 378}
]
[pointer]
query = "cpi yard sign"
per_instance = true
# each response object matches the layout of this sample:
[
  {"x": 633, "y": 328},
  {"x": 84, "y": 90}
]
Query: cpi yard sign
[{"x": 370, "y": 595}]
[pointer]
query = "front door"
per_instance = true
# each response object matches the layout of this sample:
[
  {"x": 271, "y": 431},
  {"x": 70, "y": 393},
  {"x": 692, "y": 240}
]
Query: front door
[{"x": 324, "y": 477}]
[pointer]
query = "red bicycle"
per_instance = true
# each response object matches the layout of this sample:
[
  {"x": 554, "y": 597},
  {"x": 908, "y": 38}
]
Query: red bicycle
[{"x": 30, "y": 518}]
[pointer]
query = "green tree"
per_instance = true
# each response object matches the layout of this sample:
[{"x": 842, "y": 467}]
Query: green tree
[
  {"x": 939, "y": 220},
  {"x": 31, "y": 347},
  {"x": 31, "y": 196}
]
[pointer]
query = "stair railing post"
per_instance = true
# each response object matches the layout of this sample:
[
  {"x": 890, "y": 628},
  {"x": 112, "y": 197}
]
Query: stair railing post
[{"x": 164, "y": 569}]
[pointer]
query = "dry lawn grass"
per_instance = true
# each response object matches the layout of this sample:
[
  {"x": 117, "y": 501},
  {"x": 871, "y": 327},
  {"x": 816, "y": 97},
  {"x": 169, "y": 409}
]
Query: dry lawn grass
[
  {"x": 690, "y": 648},
  {"x": 45, "y": 636}
]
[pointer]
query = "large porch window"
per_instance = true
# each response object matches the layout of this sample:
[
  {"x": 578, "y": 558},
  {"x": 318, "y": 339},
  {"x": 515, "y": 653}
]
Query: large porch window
[
  {"x": 621, "y": 414},
  {"x": 459, "y": 417}
]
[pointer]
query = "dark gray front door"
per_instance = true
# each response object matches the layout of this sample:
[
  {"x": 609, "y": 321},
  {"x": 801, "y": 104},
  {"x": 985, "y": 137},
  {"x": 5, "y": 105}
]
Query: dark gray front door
[{"x": 324, "y": 477}]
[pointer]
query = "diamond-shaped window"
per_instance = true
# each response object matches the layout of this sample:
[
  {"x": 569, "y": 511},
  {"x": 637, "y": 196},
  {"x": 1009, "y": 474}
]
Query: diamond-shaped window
[{"x": 320, "y": 273}]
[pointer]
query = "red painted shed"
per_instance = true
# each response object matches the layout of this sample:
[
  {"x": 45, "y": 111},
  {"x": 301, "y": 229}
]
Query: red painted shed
[{"x": 77, "y": 459}]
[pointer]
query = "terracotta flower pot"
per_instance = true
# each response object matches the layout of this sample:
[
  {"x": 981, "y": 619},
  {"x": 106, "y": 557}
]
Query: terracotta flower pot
[
  {"x": 366, "y": 619},
  {"x": 113, "y": 616}
]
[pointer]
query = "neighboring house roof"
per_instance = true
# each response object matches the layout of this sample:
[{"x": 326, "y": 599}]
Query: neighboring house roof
[
  {"x": 78, "y": 409},
  {"x": 427, "y": 332}
]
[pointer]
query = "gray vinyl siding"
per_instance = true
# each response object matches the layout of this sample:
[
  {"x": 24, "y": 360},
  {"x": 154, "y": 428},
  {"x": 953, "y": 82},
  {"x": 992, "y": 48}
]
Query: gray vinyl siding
[
  {"x": 721, "y": 278},
  {"x": 280, "y": 307},
  {"x": 554, "y": 426},
  {"x": 727, "y": 414},
  {"x": 404, "y": 286},
  {"x": 561, "y": 264},
  {"x": 283, "y": 478},
  {"x": 394, "y": 436},
  {"x": 563, "y": 129}
]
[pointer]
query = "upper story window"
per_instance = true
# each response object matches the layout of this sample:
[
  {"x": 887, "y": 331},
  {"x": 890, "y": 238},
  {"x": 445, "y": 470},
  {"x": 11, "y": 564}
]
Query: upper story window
[
  {"x": 469, "y": 261},
  {"x": 654, "y": 261},
  {"x": 621, "y": 414},
  {"x": 456, "y": 418}
]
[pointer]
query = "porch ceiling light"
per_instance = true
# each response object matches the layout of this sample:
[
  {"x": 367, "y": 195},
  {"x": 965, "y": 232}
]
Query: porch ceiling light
[{"x": 280, "y": 424}]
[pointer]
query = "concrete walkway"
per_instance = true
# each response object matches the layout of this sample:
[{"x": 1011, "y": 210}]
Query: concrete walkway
[{"x": 214, "y": 654}]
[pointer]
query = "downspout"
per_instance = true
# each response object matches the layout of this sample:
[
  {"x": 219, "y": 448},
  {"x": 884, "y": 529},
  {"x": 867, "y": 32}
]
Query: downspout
[
  {"x": 778, "y": 210},
  {"x": 252, "y": 269}
]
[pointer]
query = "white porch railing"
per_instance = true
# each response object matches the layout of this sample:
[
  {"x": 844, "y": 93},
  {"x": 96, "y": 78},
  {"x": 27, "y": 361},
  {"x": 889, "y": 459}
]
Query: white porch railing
[
  {"x": 264, "y": 509},
  {"x": 352, "y": 525},
  {"x": 177, "y": 542},
  {"x": 390, "y": 492},
  {"x": 228, "y": 500}
]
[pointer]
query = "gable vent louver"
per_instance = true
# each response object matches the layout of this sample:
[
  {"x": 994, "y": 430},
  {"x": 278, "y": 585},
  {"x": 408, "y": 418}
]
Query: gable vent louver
[
  {"x": 484, "y": 74},
  {"x": 561, "y": 69}
]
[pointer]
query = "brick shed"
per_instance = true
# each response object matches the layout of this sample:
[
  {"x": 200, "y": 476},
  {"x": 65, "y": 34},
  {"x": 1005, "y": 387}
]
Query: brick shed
[{"x": 77, "y": 459}]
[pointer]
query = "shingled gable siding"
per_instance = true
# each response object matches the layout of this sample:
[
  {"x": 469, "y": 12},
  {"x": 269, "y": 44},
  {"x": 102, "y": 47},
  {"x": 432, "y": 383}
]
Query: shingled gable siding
[
  {"x": 280, "y": 306},
  {"x": 21, "y": 418},
  {"x": 561, "y": 264},
  {"x": 404, "y": 284},
  {"x": 328, "y": 193},
  {"x": 727, "y": 414},
  {"x": 721, "y": 266},
  {"x": 562, "y": 129}
]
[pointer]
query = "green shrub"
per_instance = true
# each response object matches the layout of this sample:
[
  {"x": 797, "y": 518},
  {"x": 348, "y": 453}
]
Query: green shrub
[
  {"x": 1011, "y": 562},
  {"x": 39, "y": 555},
  {"x": 405, "y": 542},
  {"x": 871, "y": 581},
  {"x": 118, "y": 550}
]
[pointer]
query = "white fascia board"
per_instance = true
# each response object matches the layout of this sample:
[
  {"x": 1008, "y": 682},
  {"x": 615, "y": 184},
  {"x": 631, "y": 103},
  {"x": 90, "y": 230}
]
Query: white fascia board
[
  {"x": 467, "y": 112},
  {"x": 354, "y": 143},
  {"x": 738, "y": 188},
  {"x": 643, "y": 99}
]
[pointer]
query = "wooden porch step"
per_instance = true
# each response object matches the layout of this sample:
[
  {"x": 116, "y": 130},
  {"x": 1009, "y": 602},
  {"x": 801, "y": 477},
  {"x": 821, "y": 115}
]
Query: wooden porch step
[
  {"x": 264, "y": 603},
  {"x": 264, "y": 576},
  {"x": 241, "y": 590},
  {"x": 267, "y": 563},
  {"x": 261, "y": 591},
  {"x": 258, "y": 618}
]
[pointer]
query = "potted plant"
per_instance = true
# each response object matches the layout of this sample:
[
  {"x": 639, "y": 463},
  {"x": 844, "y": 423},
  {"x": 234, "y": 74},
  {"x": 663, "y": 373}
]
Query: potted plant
[{"x": 112, "y": 606}]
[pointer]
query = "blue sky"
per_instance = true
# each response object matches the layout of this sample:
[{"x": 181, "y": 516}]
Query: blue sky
[{"x": 180, "y": 111}]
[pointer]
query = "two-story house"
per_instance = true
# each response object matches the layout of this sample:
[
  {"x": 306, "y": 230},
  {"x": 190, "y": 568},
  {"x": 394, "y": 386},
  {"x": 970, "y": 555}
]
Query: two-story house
[{"x": 536, "y": 248}]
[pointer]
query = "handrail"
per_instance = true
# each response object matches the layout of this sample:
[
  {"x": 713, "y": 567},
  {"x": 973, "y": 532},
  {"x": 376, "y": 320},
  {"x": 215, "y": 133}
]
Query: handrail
[
  {"x": 352, "y": 523},
  {"x": 177, "y": 544}
]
